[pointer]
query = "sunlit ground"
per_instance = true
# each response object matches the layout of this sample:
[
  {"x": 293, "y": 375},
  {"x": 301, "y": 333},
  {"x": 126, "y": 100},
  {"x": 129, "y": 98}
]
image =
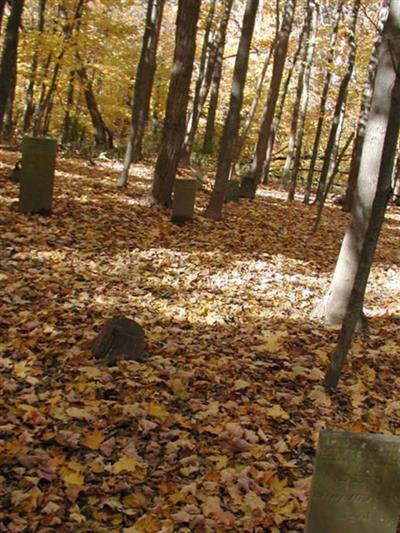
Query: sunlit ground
[{"x": 220, "y": 423}]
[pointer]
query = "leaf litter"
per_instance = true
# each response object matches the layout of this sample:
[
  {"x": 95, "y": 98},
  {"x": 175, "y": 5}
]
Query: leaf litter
[{"x": 217, "y": 430}]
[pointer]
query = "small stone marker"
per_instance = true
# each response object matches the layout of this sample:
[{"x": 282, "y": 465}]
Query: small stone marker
[
  {"x": 37, "y": 176},
  {"x": 183, "y": 201},
  {"x": 356, "y": 484},
  {"x": 233, "y": 191},
  {"x": 120, "y": 339},
  {"x": 248, "y": 188}
]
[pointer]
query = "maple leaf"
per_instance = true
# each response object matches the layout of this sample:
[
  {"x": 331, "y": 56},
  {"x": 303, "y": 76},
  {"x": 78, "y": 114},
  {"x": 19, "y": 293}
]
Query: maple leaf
[
  {"x": 93, "y": 440},
  {"x": 131, "y": 465},
  {"x": 277, "y": 411}
]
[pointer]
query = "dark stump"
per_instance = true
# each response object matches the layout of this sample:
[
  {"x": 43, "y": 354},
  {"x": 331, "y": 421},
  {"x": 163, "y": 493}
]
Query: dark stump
[{"x": 120, "y": 339}]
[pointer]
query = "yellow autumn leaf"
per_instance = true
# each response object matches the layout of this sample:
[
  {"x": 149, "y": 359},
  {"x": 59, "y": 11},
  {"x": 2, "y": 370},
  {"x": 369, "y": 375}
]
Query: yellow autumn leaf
[
  {"x": 276, "y": 411},
  {"x": 131, "y": 465},
  {"x": 21, "y": 369},
  {"x": 71, "y": 477},
  {"x": 76, "y": 412},
  {"x": 157, "y": 411},
  {"x": 93, "y": 440}
]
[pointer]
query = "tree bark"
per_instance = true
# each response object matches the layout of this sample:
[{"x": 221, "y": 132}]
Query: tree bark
[
  {"x": 377, "y": 216},
  {"x": 143, "y": 86},
  {"x": 207, "y": 62},
  {"x": 340, "y": 104},
  {"x": 279, "y": 111},
  {"x": 2, "y": 6},
  {"x": 324, "y": 97},
  {"x": 208, "y": 143},
  {"x": 304, "y": 99},
  {"x": 29, "y": 107},
  {"x": 375, "y": 160},
  {"x": 363, "y": 116},
  {"x": 232, "y": 122},
  {"x": 102, "y": 134},
  {"x": 65, "y": 136},
  {"x": 298, "y": 100},
  {"x": 8, "y": 64},
  {"x": 177, "y": 101},
  {"x": 280, "y": 54}
]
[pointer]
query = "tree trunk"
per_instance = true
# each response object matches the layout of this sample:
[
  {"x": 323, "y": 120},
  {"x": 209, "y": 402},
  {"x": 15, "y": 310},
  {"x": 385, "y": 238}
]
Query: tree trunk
[
  {"x": 208, "y": 143},
  {"x": 324, "y": 97},
  {"x": 375, "y": 160},
  {"x": 339, "y": 107},
  {"x": 279, "y": 111},
  {"x": 177, "y": 101},
  {"x": 65, "y": 136},
  {"x": 377, "y": 216},
  {"x": 8, "y": 64},
  {"x": 143, "y": 86},
  {"x": 253, "y": 107},
  {"x": 29, "y": 107},
  {"x": 232, "y": 122},
  {"x": 8, "y": 124},
  {"x": 298, "y": 100},
  {"x": 363, "y": 116},
  {"x": 206, "y": 69},
  {"x": 269, "y": 110},
  {"x": 2, "y": 6},
  {"x": 102, "y": 134},
  {"x": 304, "y": 101}
]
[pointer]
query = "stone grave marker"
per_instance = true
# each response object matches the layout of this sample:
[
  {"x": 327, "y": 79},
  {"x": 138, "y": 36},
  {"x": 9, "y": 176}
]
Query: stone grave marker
[
  {"x": 356, "y": 484},
  {"x": 233, "y": 191},
  {"x": 37, "y": 175},
  {"x": 183, "y": 200},
  {"x": 248, "y": 188}
]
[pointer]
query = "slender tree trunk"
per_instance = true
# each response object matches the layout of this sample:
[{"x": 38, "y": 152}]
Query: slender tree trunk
[
  {"x": 232, "y": 122},
  {"x": 208, "y": 143},
  {"x": 304, "y": 101},
  {"x": 29, "y": 107},
  {"x": 2, "y": 6},
  {"x": 279, "y": 111},
  {"x": 376, "y": 161},
  {"x": 298, "y": 100},
  {"x": 280, "y": 54},
  {"x": 43, "y": 110},
  {"x": 8, "y": 123},
  {"x": 339, "y": 107},
  {"x": 355, "y": 305},
  {"x": 8, "y": 64},
  {"x": 206, "y": 69},
  {"x": 102, "y": 134},
  {"x": 253, "y": 107},
  {"x": 324, "y": 97},
  {"x": 143, "y": 86},
  {"x": 65, "y": 136},
  {"x": 177, "y": 101},
  {"x": 363, "y": 116}
]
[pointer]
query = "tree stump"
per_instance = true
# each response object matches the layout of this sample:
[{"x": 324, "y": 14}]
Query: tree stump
[{"x": 120, "y": 339}]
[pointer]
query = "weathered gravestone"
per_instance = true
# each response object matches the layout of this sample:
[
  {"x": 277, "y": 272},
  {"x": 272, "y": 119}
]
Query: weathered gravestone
[
  {"x": 183, "y": 201},
  {"x": 37, "y": 176},
  {"x": 356, "y": 484},
  {"x": 233, "y": 191},
  {"x": 248, "y": 188}
]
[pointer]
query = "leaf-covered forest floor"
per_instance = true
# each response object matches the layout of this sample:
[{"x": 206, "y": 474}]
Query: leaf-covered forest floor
[{"x": 217, "y": 430}]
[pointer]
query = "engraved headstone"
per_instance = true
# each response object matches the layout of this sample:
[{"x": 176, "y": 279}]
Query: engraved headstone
[
  {"x": 183, "y": 200},
  {"x": 233, "y": 191},
  {"x": 356, "y": 484},
  {"x": 37, "y": 175},
  {"x": 248, "y": 188}
]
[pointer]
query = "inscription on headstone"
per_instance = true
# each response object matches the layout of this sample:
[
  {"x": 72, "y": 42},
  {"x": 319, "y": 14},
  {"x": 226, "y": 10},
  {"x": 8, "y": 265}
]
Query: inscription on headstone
[
  {"x": 38, "y": 162},
  {"x": 356, "y": 484},
  {"x": 183, "y": 201}
]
